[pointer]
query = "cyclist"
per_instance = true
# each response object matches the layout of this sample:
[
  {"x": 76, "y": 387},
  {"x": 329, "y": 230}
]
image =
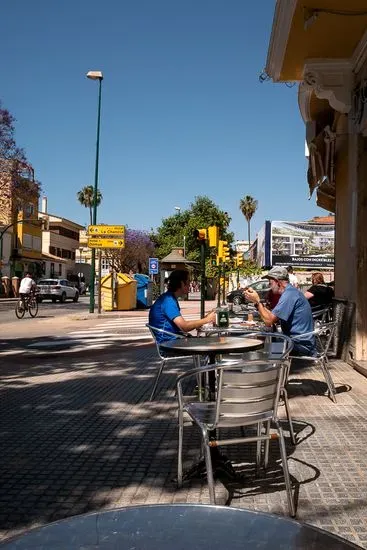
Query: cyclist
[{"x": 27, "y": 288}]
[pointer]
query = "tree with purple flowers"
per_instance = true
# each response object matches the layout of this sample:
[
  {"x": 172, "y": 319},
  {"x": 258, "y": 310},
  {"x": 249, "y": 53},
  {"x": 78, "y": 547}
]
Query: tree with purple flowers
[{"x": 135, "y": 256}]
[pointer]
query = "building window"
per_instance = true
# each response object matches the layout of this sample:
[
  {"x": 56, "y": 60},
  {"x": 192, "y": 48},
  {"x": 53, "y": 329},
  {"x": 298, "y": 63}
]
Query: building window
[
  {"x": 52, "y": 270},
  {"x": 52, "y": 250},
  {"x": 29, "y": 210},
  {"x": 60, "y": 270}
]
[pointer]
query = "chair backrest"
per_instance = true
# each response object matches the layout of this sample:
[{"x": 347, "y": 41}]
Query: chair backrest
[
  {"x": 276, "y": 346},
  {"x": 324, "y": 335},
  {"x": 154, "y": 331},
  {"x": 322, "y": 315},
  {"x": 248, "y": 392}
]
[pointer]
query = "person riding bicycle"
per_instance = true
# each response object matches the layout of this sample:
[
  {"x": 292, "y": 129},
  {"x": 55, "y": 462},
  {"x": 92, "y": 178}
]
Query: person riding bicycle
[{"x": 27, "y": 287}]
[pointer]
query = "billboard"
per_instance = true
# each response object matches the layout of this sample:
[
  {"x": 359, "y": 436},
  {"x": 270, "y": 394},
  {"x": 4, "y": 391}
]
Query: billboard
[{"x": 303, "y": 244}]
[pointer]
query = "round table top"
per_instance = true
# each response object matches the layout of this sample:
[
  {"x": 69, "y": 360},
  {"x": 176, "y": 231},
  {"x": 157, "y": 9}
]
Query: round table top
[
  {"x": 177, "y": 527},
  {"x": 211, "y": 344}
]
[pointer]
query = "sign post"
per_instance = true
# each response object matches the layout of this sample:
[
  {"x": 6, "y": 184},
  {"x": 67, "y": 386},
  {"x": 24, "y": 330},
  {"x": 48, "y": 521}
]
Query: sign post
[
  {"x": 153, "y": 267},
  {"x": 104, "y": 236}
]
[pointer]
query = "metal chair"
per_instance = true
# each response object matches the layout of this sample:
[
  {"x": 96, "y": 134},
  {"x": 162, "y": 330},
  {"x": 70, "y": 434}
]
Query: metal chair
[
  {"x": 322, "y": 315},
  {"x": 247, "y": 395},
  {"x": 164, "y": 357},
  {"x": 323, "y": 336},
  {"x": 278, "y": 347}
]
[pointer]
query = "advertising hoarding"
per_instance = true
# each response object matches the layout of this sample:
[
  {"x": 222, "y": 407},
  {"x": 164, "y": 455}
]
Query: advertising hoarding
[{"x": 303, "y": 244}]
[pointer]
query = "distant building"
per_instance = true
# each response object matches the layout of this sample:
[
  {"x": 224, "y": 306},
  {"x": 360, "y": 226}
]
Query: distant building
[
  {"x": 19, "y": 194},
  {"x": 60, "y": 241}
]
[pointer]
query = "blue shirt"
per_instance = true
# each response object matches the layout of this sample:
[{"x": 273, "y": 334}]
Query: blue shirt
[
  {"x": 294, "y": 312},
  {"x": 162, "y": 313}
]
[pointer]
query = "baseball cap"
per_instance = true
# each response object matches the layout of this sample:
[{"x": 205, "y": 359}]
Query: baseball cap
[{"x": 278, "y": 273}]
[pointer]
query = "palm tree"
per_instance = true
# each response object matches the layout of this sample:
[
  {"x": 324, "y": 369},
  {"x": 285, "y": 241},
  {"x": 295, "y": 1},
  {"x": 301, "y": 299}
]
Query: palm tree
[
  {"x": 86, "y": 197},
  {"x": 248, "y": 207}
]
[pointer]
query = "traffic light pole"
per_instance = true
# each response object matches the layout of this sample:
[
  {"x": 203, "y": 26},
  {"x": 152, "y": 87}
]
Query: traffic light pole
[
  {"x": 202, "y": 279},
  {"x": 224, "y": 288},
  {"x": 219, "y": 274}
]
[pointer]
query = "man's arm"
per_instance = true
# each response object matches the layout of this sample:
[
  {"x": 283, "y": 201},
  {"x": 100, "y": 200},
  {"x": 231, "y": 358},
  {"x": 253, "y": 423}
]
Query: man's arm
[
  {"x": 267, "y": 316},
  {"x": 188, "y": 326}
]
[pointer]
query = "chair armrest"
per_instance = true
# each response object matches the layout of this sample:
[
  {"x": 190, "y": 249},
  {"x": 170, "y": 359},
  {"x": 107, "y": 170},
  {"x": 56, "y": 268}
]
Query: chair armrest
[{"x": 161, "y": 331}]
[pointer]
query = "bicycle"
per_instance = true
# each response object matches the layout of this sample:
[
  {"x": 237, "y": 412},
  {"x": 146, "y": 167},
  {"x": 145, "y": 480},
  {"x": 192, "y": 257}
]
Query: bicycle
[{"x": 27, "y": 303}]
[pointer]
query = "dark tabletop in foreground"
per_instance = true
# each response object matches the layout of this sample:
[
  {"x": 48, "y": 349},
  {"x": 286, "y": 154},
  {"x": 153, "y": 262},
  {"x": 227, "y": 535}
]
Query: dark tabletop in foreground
[{"x": 177, "y": 527}]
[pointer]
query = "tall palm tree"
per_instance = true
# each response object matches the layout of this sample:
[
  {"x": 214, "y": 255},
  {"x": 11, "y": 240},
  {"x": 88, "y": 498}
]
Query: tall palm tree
[
  {"x": 248, "y": 207},
  {"x": 86, "y": 197}
]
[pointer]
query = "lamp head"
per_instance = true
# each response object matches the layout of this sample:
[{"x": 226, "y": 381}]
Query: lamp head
[{"x": 95, "y": 75}]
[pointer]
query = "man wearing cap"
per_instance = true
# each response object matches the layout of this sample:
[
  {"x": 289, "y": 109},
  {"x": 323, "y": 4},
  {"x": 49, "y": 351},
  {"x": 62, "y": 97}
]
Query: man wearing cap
[{"x": 293, "y": 311}]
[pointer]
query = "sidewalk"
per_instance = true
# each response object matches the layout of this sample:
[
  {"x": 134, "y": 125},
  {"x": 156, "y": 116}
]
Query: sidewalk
[{"x": 79, "y": 435}]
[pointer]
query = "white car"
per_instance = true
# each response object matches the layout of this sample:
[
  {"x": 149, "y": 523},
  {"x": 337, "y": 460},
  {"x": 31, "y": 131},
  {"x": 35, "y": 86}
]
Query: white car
[{"x": 57, "y": 289}]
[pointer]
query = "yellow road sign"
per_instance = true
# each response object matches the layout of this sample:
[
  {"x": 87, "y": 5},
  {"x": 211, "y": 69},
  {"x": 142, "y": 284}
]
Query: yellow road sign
[
  {"x": 101, "y": 230},
  {"x": 106, "y": 243}
]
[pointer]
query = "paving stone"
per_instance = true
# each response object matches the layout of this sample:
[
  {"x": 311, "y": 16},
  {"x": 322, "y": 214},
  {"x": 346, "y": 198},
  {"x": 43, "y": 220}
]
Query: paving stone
[{"x": 76, "y": 439}]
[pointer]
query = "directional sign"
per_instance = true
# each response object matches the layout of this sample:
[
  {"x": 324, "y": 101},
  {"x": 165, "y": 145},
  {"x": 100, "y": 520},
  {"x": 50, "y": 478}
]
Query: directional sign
[
  {"x": 101, "y": 230},
  {"x": 153, "y": 266},
  {"x": 106, "y": 243}
]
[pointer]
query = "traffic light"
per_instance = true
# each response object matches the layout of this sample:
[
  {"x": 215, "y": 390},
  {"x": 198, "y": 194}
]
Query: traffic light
[
  {"x": 226, "y": 252},
  {"x": 223, "y": 250},
  {"x": 213, "y": 233},
  {"x": 200, "y": 234}
]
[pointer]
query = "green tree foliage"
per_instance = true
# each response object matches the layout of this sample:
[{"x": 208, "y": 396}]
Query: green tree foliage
[
  {"x": 86, "y": 198},
  {"x": 202, "y": 213},
  {"x": 248, "y": 207}
]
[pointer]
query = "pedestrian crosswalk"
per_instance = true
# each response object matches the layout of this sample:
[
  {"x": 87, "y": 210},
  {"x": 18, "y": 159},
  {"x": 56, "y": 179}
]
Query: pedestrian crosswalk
[{"x": 108, "y": 332}]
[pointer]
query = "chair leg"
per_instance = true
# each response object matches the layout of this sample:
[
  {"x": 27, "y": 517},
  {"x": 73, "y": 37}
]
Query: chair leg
[
  {"x": 287, "y": 479},
  {"x": 209, "y": 469},
  {"x": 161, "y": 367},
  {"x": 258, "y": 449},
  {"x": 289, "y": 417},
  {"x": 266, "y": 446},
  {"x": 180, "y": 445},
  {"x": 329, "y": 380}
]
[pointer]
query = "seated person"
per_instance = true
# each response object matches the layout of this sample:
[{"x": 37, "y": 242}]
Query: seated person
[
  {"x": 165, "y": 313},
  {"x": 293, "y": 311},
  {"x": 319, "y": 295}
]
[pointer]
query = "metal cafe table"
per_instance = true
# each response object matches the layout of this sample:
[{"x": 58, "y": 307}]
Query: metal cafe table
[
  {"x": 177, "y": 527},
  {"x": 211, "y": 345}
]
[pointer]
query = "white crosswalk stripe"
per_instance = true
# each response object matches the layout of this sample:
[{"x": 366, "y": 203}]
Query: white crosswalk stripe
[{"x": 99, "y": 337}]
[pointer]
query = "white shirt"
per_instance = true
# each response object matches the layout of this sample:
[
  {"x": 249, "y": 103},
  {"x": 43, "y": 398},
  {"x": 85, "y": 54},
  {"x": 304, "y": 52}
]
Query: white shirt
[
  {"x": 293, "y": 279},
  {"x": 26, "y": 285}
]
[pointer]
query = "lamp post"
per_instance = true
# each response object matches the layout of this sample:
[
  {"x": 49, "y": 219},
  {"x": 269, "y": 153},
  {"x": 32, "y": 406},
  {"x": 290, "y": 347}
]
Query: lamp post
[{"x": 95, "y": 75}]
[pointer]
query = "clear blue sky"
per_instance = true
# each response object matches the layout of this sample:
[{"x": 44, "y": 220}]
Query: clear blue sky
[{"x": 183, "y": 112}]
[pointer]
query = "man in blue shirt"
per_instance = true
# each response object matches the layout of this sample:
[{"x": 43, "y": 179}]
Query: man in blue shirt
[
  {"x": 293, "y": 311},
  {"x": 165, "y": 313}
]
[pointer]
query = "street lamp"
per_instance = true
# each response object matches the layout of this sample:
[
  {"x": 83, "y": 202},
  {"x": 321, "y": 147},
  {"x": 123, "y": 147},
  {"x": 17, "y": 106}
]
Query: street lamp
[
  {"x": 95, "y": 75},
  {"x": 178, "y": 209}
]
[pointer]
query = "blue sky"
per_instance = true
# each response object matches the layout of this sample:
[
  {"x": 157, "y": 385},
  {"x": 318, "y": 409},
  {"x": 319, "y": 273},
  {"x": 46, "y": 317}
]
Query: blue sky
[{"x": 183, "y": 112}]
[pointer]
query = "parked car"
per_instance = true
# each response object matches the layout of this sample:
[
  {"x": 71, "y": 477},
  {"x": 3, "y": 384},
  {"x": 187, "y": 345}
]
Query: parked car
[
  {"x": 57, "y": 289},
  {"x": 262, "y": 287}
]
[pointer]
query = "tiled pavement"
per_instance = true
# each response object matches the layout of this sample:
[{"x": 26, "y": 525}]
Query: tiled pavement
[{"x": 78, "y": 435}]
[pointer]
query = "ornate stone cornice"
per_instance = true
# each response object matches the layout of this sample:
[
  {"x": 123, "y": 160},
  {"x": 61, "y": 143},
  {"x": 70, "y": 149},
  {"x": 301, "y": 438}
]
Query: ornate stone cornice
[
  {"x": 304, "y": 101},
  {"x": 283, "y": 16},
  {"x": 330, "y": 79},
  {"x": 360, "y": 54}
]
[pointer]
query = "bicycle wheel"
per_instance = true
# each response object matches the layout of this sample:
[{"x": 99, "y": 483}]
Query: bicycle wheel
[
  {"x": 19, "y": 309},
  {"x": 33, "y": 307}
]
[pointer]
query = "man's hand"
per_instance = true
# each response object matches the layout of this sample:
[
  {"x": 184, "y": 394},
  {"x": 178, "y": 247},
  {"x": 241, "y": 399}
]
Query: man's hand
[
  {"x": 251, "y": 295},
  {"x": 210, "y": 318}
]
